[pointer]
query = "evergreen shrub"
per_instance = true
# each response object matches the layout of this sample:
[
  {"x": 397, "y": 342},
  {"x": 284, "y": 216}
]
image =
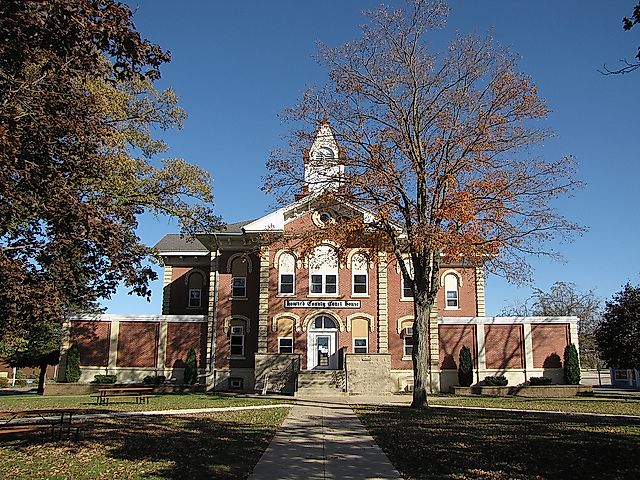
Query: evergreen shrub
[
  {"x": 496, "y": 381},
  {"x": 465, "y": 367},
  {"x": 540, "y": 381},
  {"x": 571, "y": 365},
  {"x": 72, "y": 371},
  {"x": 190, "y": 370}
]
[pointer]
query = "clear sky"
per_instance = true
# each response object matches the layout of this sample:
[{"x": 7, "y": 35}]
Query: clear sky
[{"x": 237, "y": 64}]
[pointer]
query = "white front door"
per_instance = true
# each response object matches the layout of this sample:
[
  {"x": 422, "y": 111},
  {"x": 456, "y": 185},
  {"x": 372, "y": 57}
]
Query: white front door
[{"x": 321, "y": 351}]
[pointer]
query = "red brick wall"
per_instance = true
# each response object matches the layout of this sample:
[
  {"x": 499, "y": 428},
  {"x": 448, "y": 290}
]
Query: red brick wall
[
  {"x": 138, "y": 344},
  {"x": 452, "y": 339},
  {"x": 93, "y": 342},
  {"x": 180, "y": 291},
  {"x": 181, "y": 336},
  {"x": 246, "y": 307},
  {"x": 503, "y": 346},
  {"x": 548, "y": 343}
]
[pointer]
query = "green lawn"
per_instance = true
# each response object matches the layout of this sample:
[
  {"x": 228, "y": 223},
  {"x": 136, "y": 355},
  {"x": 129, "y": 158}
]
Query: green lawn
[
  {"x": 478, "y": 444},
  {"x": 220, "y": 445},
  {"x": 160, "y": 402},
  {"x": 610, "y": 406}
]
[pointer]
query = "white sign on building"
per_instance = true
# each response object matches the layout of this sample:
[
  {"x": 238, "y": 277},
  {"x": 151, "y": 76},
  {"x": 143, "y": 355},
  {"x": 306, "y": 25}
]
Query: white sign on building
[{"x": 322, "y": 304}]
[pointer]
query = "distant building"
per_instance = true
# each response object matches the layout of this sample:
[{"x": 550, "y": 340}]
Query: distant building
[{"x": 263, "y": 316}]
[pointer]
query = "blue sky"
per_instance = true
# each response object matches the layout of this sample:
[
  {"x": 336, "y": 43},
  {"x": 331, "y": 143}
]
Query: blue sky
[{"x": 236, "y": 65}]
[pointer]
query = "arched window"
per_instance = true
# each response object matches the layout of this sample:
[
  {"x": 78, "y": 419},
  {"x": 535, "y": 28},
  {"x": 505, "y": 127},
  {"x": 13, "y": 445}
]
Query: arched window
[
  {"x": 286, "y": 270},
  {"x": 406, "y": 331},
  {"x": 324, "y": 322},
  {"x": 323, "y": 271},
  {"x": 451, "y": 291},
  {"x": 239, "y": 269},
  {"x": 195, "y": 284},
  {"x": 407, "y": 293},
  {"x": 360, "y": 335},
  {"x": 285, "y": 335},
  {"x": 359, "y": 275},
  {"x": 325, "y": 153}
]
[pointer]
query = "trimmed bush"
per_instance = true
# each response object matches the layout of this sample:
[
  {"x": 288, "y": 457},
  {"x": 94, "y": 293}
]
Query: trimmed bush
[
  {"x": 154, "y": 379},
  {"x": 190, "y": 371},
  {"x": 496, "y": 381},
  {"x": 4, "y": 382},
  {"x": 72, "y": 371},
  {"x": 571, "y": 365},
  {"x": 104, "y": 379},
  {"x": 465, "y": 367},
  {"x": 540, "y": 381}
]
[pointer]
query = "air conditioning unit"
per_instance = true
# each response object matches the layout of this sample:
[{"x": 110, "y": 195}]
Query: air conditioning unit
[
  {"x": 238, "y": 330},
  {"x": 408, "y": 331}
]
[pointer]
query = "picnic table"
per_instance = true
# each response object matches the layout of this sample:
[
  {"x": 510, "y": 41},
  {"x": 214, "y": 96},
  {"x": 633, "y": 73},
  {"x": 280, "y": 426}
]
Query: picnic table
[
  {"x": 59, "y": 420},
  {"x": 141, "y": 394}
]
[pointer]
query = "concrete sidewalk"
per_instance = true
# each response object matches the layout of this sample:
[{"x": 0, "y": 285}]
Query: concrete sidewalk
[{"x": 323, "y": 439}]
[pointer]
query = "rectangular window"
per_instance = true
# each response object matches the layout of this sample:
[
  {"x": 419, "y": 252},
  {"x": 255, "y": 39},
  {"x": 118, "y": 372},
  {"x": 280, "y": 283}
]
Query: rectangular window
[
  {"x": 286, "y": 283},
  {"x": 323, "y": 283},
  {"x": 239, "y": 287},
  {"x": 236, "y": 383},
  {"x": 408, "y": 345},
  {"x": 331, "y": 284},
  {"x": 452, "y": 298},
  {"x": 360, "y": 345},
  {"x": 360, "y": 284},
  {"x": 406, "y": 290},
  {"x": 195, "y": 297},
  {"x": 237, "y": 345},
  {"x": 285, "y": 345}
]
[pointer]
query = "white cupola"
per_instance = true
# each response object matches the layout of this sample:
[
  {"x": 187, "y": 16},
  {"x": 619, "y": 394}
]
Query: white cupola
[{"x": 323, "y": 169}]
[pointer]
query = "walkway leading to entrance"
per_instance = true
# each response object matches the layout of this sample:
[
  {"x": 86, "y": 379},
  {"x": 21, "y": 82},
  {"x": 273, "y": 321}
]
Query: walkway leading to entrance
[{"x": 323, "y": 439}]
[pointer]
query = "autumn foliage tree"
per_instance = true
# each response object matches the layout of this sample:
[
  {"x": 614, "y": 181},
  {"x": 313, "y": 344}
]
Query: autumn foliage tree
[
  {"x": 438, "y": 147},
  {"x": 77, "y": 111}
]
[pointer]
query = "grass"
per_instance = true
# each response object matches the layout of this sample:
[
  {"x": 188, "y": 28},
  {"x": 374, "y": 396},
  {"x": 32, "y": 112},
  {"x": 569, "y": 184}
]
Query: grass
[
  {"x": 609, "y": 406},
  {"x": 160, "y": 402},
  {"x": 478, "y": 444},
  {"x": 220, "y": 445}
]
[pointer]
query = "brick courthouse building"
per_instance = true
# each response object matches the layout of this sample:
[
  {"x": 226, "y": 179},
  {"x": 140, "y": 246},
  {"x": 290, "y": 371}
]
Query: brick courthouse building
[{"x": 263, "y": 316}]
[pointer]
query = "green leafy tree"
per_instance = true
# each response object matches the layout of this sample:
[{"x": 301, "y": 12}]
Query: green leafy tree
[
  {"x": 564, "y": 299},
  {"x": 571, "y": 365},
  {"x": 72, "y": 372},
  {"x": 77, "y": 111},
  {"x": 465, "y": 367},
  {"x": 436, "y": 148},
  {"x": 191, "y": 368},
  {"x": 618, "y": 336}
]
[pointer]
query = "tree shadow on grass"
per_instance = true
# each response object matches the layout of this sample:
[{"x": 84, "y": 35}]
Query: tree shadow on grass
[
  {"x": 458, "y": 443},
  {"x": 194, "y": 447}
]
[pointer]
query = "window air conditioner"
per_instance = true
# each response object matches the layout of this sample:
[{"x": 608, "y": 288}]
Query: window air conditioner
[{"x": 237, "y": 330}]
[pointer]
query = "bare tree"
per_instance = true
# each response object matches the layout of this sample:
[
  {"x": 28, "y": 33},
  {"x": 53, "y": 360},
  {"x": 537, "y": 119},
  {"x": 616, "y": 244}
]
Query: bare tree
[{"x": 437, "y": 146}]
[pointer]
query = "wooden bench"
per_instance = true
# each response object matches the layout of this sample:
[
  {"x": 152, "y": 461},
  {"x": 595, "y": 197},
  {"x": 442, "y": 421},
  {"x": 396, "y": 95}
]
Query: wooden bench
[
  {"x": 141, "y": 394},
  {"x": 26, "y": 421}
]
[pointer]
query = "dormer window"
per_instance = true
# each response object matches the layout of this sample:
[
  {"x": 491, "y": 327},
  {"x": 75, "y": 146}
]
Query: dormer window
[{"x": 325, "y": 153}]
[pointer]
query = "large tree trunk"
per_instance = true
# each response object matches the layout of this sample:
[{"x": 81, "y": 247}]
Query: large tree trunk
[
  {"x": 43, "y": 373},
  {"x": 420, "y": 357}
]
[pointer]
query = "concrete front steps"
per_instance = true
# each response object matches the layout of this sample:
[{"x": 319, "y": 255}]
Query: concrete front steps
[{"x": 320, "y": 383}]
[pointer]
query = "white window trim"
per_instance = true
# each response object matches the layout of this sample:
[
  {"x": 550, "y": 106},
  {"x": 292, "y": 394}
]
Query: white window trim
[
  {"x": 324, "y": 285},
  {"x": 245, "y": 288},
  {"x": 199, "y": 298},
  {"x": 402, "y": 297},
  {"x": 282, "y": 294},
  {"x": 353, "y": 283},
  {"x": 285, "y": 338},
  {"x": 366, "y": 342},
  {"x": 457, "y": 290}
]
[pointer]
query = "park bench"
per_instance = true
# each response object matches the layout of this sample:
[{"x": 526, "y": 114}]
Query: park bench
[
  {"x": 26, "y": 421},
  {"x": 141, "y": 394}
]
